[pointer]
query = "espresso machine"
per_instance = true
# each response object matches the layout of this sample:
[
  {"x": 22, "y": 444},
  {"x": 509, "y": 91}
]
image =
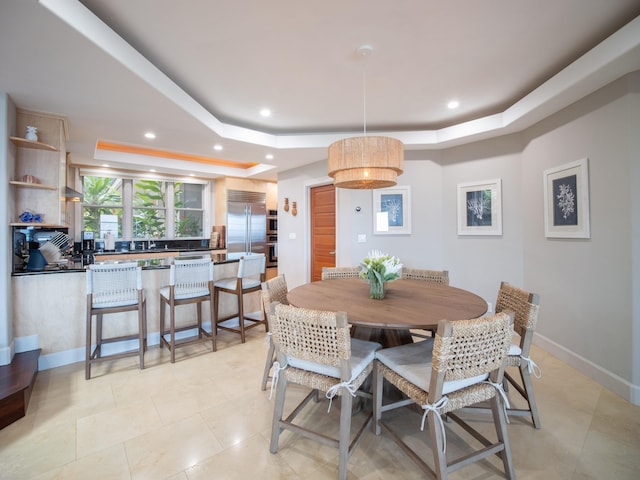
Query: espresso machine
[{"x": 88, "y": 247}]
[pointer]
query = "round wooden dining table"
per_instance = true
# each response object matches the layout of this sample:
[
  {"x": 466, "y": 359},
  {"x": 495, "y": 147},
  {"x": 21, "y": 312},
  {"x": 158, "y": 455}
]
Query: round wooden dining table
[{"x": 407, "y": 305}]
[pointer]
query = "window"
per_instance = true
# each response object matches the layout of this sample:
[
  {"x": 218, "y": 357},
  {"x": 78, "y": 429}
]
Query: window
[
  {"x": 188, "y": 210},
  {"x": 103, "y": 207},
  {"x": 143, "y": 208},
  {"x": 149, "y": 209}
]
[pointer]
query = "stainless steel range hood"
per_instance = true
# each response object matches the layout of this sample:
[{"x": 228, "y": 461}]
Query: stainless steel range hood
[{"x": 70, "y": 195}]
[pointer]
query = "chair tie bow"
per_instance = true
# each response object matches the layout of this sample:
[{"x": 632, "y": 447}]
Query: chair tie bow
[
  {"x": 533, "y": 368},
  {"x": 435, "y": 409},
  {"x": 505, "y": 400},
  {"x": 276, "y": 373},
  {"x": 333, "y": 391}
]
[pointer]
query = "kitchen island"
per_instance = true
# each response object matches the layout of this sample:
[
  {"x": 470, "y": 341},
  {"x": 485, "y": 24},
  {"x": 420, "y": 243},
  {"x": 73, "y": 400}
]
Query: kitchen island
[{"x": 50, "y": 306}]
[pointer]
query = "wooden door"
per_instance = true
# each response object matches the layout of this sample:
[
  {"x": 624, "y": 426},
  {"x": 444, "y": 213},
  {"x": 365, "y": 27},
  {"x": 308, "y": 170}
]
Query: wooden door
[{"x": 323, "y": 229}]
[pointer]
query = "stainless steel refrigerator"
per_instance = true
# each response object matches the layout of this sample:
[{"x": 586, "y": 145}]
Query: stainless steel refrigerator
[{"x": 246, "y": 222}]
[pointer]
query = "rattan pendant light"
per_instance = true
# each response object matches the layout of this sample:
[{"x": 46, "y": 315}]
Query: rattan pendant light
[{"x": 366, "y": 162}]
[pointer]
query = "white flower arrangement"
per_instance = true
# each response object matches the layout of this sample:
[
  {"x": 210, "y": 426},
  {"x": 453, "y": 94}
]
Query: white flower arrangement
[{"x": 380, "y": 267}]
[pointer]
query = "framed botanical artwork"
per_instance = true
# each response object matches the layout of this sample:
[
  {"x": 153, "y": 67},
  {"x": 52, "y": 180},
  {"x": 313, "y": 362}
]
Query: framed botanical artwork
[
  {"x": 480, "y": 208},
  {"x": 566, "y": 200},
  {"x": 392, "y": 211}
]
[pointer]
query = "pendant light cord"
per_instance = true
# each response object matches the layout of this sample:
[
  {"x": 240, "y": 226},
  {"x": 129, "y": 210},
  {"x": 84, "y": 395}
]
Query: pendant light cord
[{"x": 364, "y": 96}]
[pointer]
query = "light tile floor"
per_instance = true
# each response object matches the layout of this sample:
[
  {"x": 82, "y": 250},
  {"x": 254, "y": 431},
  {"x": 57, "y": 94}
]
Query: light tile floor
[{"x": 205, "y": 417}]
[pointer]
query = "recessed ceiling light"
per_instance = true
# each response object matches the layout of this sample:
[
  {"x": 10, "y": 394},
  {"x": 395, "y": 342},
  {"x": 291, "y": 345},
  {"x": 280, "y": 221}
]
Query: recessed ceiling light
[
  {"x": 152, "y": 169},
  {"x": 453, "y": 104},
  {"x": 265, "y": 112},
  {"x": 105, "y": 165},
  {"x": 217, "y": 147},
  {"x": 150, "y": 135},
  {"x": 269, "y": 156},
  {"x": 192, "y": 174}
]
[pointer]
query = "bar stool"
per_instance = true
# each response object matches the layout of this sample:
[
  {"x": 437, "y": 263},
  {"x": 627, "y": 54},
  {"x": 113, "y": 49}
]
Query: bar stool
[
  {"x": 190, "y": 281},
  {"x": 251, "y": 274},
  {"x": 114, "y": 288}
]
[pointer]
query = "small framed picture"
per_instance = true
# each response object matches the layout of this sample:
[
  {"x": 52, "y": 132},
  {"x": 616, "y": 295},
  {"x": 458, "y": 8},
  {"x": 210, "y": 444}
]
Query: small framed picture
[
  {"x": 566, "y": 201},
  {"x": 392, "y": 211},
  {"x": 480, "y": 208}
]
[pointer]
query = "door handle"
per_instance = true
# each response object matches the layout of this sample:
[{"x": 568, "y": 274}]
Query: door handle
[{"x": 332, "y": 252}]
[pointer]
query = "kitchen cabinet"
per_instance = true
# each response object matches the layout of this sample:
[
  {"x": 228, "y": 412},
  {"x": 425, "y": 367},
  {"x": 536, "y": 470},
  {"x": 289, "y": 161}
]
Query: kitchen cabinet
[{"x": 39, "y": 174}]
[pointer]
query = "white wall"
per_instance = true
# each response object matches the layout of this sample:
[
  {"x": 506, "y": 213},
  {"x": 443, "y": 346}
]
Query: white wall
[
  {"x": 293, "y": 231},
  {"x": 590, "y": 305},
  {"x": 480, "y": 263},
  {"x": 586, "y": 284}
]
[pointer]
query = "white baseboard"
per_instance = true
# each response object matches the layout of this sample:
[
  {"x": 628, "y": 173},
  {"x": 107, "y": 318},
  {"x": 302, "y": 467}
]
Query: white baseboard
[
  {"x": 67, "y": 357},
  {"x": 6, "y": 354},
  {"x": 607, "y": 379},
  {"x": 27, "y": 343}
]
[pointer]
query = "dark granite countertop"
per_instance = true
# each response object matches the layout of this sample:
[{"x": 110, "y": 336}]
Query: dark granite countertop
[{"x": 146, "y": 263}]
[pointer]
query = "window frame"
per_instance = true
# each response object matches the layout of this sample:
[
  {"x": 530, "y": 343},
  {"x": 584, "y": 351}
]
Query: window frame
[{"x": 169, "y": 209}]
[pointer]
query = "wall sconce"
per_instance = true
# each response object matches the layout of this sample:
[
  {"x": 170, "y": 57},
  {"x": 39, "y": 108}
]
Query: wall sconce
[
  {"x": 294, "y": 209},
  {"x": 286, "y": 204}
]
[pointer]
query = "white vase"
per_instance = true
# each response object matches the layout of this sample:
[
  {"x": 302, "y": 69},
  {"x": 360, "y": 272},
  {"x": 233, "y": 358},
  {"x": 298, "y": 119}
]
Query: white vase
[{"x": 32, "y": 133}]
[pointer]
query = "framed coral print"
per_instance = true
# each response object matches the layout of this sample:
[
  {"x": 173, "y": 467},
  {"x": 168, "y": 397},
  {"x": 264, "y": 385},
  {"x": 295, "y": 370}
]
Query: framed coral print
[
  {"x": 392, "y": 211},
  {"x": 480, "y": 208},
  {"x": 566, "y": 200}
]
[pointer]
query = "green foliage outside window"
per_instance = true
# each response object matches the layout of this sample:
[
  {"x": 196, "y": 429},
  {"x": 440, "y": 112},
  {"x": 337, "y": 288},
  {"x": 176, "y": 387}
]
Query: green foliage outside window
[
  {"x": 148, "y": 209},
  {"x": 188, "y": 223},
  {"x": 102, "y": 196}
]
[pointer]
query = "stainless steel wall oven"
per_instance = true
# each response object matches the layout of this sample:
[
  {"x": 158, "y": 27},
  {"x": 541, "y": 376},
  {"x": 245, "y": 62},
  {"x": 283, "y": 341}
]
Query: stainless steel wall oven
[{"x": 272, "y": 222}]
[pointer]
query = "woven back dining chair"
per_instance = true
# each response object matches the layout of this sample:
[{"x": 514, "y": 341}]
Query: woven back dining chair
[
  {"x": 314, "y": 349},
  {"x": 114, "y": 288},
  {"x": 273, "y": 290},
  {"x": 434, "y": 276},
  {"x": 190, "y": 281},
  {"x": 461, "y": 366},
  {"x": 340, "y": 272},
  {"x": 422, "y": 275},
  {"x": 526, "y": 306},
  {"x": 250, "y": 275}
]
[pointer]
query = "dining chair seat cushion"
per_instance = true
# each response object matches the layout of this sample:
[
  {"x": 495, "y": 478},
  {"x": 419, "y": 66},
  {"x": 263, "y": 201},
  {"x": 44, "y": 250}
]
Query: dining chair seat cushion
[
  {"x": 184, "y": 293},
  {"x": 413, "y": 362},
  {"x": 362, "y": 354},
  {"x": 515, "y": 350},
  {"x": 231, "y": 283}
]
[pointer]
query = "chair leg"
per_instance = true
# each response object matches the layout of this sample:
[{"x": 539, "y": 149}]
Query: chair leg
[
  {"x": 500, "y": 422},
  {"x": 268, "y": 364},
  {"x": 531, "y": 399},
  {"x": 199, "y": 317},
  {"x": 241, "y": 316},
  {"x": 345, "y": 431},
  {"x": 214, "y": 330},
  {"x": 378, "y": 382},
  {"x": 141, "y": 332},
  {"x": 172, "y": 328},
  {"x": 98, "y": 335},
  {"x": 278, "y": 409},
  {"x": 216, "y": 302},
  {"x": 437, "y": 445},
  {"x": 144, "y": 310},
  {"x": 87, "y": 360},
  {"x": 163, "y": 305}
]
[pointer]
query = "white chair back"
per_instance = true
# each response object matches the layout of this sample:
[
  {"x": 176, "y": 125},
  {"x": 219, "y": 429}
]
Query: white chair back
[
  {"x": 252, "y": 265},
  {"x": 114, "y": 285},
  {"x": 190, "y": 278}
]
